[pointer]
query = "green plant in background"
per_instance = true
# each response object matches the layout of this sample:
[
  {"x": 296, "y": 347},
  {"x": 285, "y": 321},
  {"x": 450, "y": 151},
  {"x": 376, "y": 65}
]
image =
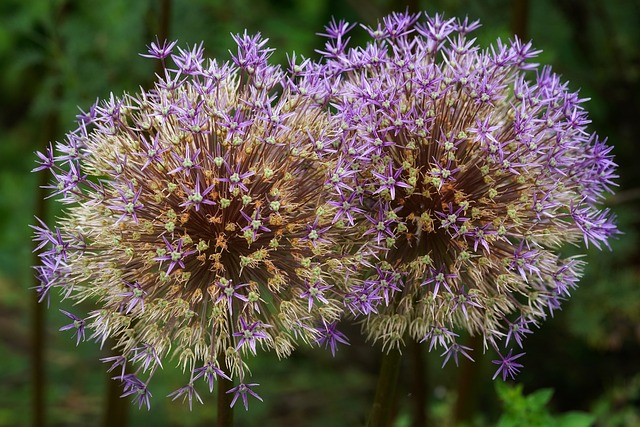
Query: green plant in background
[{"x": 532, "y": 410}]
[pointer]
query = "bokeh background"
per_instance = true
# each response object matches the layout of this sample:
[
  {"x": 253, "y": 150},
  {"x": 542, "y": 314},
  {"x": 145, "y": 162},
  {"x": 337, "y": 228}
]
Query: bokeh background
[{"x": 60, "y": 55}]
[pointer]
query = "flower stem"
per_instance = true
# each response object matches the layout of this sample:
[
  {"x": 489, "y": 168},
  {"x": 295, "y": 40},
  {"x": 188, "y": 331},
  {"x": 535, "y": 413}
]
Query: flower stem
[
  {"x": 381, "y": 411},
  {"x": 467, "y": 376},
  {"x": 419, "y": 385},
  {"x": 225, "y": 411}
]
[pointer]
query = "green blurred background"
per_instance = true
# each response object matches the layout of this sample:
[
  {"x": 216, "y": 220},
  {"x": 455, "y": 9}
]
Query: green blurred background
[{"x": 58, "y": 55}]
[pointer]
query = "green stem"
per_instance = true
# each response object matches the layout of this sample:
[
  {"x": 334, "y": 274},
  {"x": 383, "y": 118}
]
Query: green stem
[
  {"x": 520, "y": 18},
  {"x": 419, "y": 384},
  {"x": 116, "y": 408},
  {"x": 225, "y": 411},
  {"x": 467, "y": 374},
  {"x": 38, "y": 325},
  {"x": 383, "y": 402},
  {"x": 37, "y": 359}
]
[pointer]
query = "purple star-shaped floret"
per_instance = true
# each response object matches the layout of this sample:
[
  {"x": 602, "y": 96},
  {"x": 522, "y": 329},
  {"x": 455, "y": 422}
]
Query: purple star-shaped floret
[
  {"x": 46, "y": 161},
  {"x": 254, "y": 223},
  {"x": 159, "y": 51},
  {"x": 229, "y": 292},
  {"x": 390, "y": 180},
  {"x": 235, "y": 178},
  {"x": 134, "y": 386},
  {"x": 187, "y": 392},
  {"x": 78, "y": 324},
  {"x": 314, "y": 233},
  {"x": 209, "y": 372},
  {"x": 196, "y": 197},
  {"x": 128, "y": 203},
  {"x": 347, "y": 206},
  {"x": 250, "y": 334},
  {"x": 439, "y": 277},
  {"x": 152, "y": 151},
  {"x": 314, "y": 293},
  {"x": 454, "y": 350},
  {"x": 329, "y": 336},
  {"x": 188, "y": 162},
  {"x": 146, "y": 354},
  {"x": 508, "y": 367},
  {"x": 135, "y": 294},
  {"x": 174, "y": 254},
  {"x": 242, "y": 390}
]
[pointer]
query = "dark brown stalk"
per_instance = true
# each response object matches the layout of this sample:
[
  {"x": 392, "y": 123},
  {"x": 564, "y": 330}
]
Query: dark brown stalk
[
  {"x": 41, "y": 210},
  {"x": 383, "y": 402},
  {"x": 520, "y": 19},
  {"x": 116, "y": 408},
  {"x": 419, "y": 384},
  {"x": 225, "y": 411},
  {"x": 465, "y": 388},
  {"x": 163, "y": 31},
  {"x": 38, "y": 380}
]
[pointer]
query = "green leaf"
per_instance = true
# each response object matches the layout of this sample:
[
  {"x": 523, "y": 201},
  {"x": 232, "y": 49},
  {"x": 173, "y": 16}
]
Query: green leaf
[
  {"x": 539, "y": 398},
  {"x": 575, "y": 419}
]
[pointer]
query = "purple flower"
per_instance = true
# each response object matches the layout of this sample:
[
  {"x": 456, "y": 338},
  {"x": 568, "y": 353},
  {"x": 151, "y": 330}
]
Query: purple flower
[
  {"x": 250, "y": 334},
  {"x": 116, "y": 361},
  {"x": 439, "y": 336},
  {"x": 454, "y": 350},
  {"x": 255, "y": 224},
  {"x": 231, "y": 291},
  {"x": 128, "y": 203},
  {"x": 347, "y": 206},
  {"x": 159, "y": 51},
  {"x": 174, "y": 254},
  {"x": 314, "y": 293},
  {"x": 518, "y": 330},
  {"x": 389, "y": 181},
  {"x": 242, "y": 390},
  {"x": 462, "y": 173},
  {"x": 508, "y": 367},
  {"x": 439, "y": 278},
  {"x": 315, "y": 232},
  {"x": 78, "y": 324},
  {"x": 152, "y": 151},
  {"x": 196, "y": 197},
  {"x": 46, "y": 161},
  {"x": 187, "y": 392},
  {"x": 187, "y": 161},
  {"x": 189, "y": 61},
  {"x": 329, "y": 337},
  {"x": 135, "y": 296},
  {"x": 209, "y": 372},
  {"x": 201, "y": 201},
  {"x": 235, "y": 178},
  {"x": 134, "y": 386},
  {"x": 385, "y": 283},
  {"x": 146, "y": 355}
]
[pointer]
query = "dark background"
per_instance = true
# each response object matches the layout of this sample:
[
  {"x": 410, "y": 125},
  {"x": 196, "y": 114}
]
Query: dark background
[{"x": 56, "y": 55}]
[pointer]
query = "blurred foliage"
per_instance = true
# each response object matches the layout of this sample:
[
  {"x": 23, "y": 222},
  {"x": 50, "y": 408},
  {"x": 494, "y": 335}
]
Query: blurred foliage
[
  {"x": 532, "y": 411},
  {"x": 56, "y": 55}
]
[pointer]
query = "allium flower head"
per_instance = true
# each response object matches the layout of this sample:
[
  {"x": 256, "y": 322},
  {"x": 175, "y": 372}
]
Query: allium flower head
[
  {"x": 467, "y": 169},
  {"x": 195, "y": 220}
]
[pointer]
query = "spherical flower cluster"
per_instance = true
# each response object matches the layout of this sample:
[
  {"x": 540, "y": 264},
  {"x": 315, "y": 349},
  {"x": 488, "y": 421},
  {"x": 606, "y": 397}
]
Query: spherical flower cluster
[
  {"x": 467, "y": 169},
  {"x": 418, "y": 183},
  {"x": 196, "y": 221}
]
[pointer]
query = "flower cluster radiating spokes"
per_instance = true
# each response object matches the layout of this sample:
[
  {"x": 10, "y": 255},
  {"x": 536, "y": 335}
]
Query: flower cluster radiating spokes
[
  {"x": 467, "y": 169},
  {"x": 196, "y": 220},
  {"x": 418, "y": 183}
]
